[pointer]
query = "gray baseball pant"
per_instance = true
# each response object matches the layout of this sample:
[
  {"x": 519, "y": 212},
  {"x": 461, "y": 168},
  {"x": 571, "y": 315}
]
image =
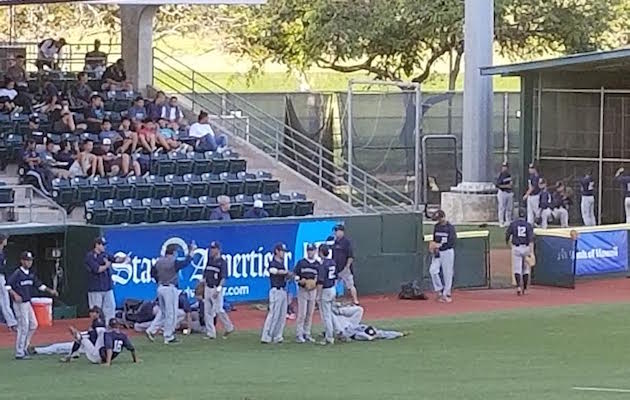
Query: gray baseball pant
[
  {"x": 167, "y": 316},
  {"x": 519, "y": 266},
  {"x": 26, "y": 326},
  {"x": 276, "y": 317},
  {"x": 106, "y": 302},
  {"x": 346, "y": 317},
  {"x": 557, "y": 213},
  {"x": 5, "y": 303},
  {"x": 326, "y": 312},
  {"x": 214, "y": 307},
  {"x": 505, "y": 201},
  {"x": 533, "y": 208},
  {"x": 92, "y": 350},
  {"x": 144, "y": 326},
  {"x": 445, "y": 262},
  {"x": 306, "y": 307},
  {"x": 626, "y": 204},
  {"x": 587, "y": 206}
]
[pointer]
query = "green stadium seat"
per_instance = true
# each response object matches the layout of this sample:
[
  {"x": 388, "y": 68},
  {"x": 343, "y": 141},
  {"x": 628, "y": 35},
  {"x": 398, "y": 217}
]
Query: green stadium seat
[
  {"x": 123, "y": 189},
  {"x": 63, "y": 193},
  {"x": 179, "y": 187},
  {"x": 197, "y": 186},
  {"x": 142, "y": 189},
  {"x": 161, "y": 188},
  {"x": 234, "y": 185},
  {"x": 118, "y": 213},
  {"x": 202, "y": 163},
  {"x": 176, "y": 211},
  {"x": 96, "y": 213},
  {"x": 157, "y": 211},
  {"x": 138, "y": 213},
  {"x": 194, "y": 210},
  {"x": 286, "y": 206},
  {"x": 252, "y": 184},
  {"x": 103, "y": 188}
]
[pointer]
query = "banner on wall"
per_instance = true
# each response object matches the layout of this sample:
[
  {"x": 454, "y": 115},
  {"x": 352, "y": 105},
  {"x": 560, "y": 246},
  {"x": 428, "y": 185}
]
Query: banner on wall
[
  {"x": 247, "y": 249},
  {"x": 601, "y": 252}
]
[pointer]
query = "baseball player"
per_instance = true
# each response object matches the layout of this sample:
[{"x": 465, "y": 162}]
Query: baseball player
[
  {"x": 555, "y": 209},
  {"x": 150, "y": 311},
  {"x": 5, "y": 303},
  {"x": 532, "y": 196},
  {"x": 505, "y": 196},
  {"x": 112, "y": 344},
  {"x": 444, "y": 236},
  {"x": 347, "y": 320},
  {"x": 166, "y": 273},
  {"x": 326, "y": 280},
  {"x": 344, "y": 257},
  {"x": 23, "y": 283},
  {"x": 73, "y": 349},
  {"x": 587, "y": 203},
  {"x": 276, "y": 317},
  {"x": 99, "y": 282},
  {"x": 305, "y": 273},
  {"x": 624, "y": 180},
  {"x": 521, "y": 233},
  {"x": 214, "y": 277}
]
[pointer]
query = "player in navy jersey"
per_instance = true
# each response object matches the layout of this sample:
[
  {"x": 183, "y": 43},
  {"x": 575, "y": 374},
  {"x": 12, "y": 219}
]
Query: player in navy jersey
[
  {"x": 276, "y": 317},
  {"x": 521, "y": 235},
  {"x": 505, "y": 196},
  {"x": 532, "y": 196},
  {"x": 115, "y": 341},
  {"x": 624, "y": 181},
  {"x": 5, "y": 303},
  {"x": 306, "y": 269},
  {"x": 587, "y": 203},
  {"x": 326, "y": 281},
  {"x": 444, "y": 237}
]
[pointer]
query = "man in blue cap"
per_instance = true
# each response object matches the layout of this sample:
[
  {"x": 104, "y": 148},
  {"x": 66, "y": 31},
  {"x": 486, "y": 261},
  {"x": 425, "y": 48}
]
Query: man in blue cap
[
  {"x": 306, "y": 272},
  {"x": 214, "y": 276}
]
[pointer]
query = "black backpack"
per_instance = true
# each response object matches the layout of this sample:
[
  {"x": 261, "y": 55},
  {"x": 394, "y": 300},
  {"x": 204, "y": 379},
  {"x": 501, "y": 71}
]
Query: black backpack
[{"x": 411, "y": 291}]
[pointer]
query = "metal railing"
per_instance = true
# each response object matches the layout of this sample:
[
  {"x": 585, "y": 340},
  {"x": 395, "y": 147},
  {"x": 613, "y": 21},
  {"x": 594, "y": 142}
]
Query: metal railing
[
  {"x": 27, "y": 200},
  {"x": 291, "y": 147}
]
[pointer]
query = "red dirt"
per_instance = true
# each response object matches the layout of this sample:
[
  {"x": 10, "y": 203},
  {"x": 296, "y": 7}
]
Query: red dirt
[{"x": 389, "y": 307}]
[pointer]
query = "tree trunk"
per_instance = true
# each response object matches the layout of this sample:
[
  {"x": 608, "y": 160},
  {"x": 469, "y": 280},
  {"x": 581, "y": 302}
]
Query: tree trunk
[{"x": 454, "y": 72}]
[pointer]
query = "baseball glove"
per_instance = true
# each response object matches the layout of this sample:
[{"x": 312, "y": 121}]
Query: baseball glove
[
  {"x": 434, "y": 247},
  {"x": 199, "y": 290},
  {"x": 308, "y": 284},
  {"x": 530, "y": 260}
]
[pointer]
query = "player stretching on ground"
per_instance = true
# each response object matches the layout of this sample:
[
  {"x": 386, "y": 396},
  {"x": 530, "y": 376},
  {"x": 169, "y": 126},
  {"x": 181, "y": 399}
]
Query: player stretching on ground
[
  {"x": 276, "y": 317},
  {"x": 306, "y": 272},
  {"x": 113, "y": 343},
  {"x": 522, "y": 234},
  {"x": 326, "y": 280},
  {"x": 443, "y": 245}
]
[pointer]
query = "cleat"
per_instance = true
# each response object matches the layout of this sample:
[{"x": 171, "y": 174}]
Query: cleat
[
  {"x": 26, "y": 357},
  {"x": 441, "y": 299},
  {"x": 172, "y": 341},
  {"x": 519, "y": 291},
  {"x": 448, "y": 299},
  {"x": 309, "y": 339},
  {"x": 206, "y": 337},
  {"x": 150, "y": 336},
  {"x": 227, "y": 333},
  {"x": 300, "y": 339},
  {"x": 65, "y": 359}
]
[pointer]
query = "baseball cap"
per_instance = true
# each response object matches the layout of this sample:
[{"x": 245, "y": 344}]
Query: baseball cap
[
  {"x": 324, "y": 249},
  {"x": 258, "y": 204},
  {"x": 438, "y": 215},
  {"x": 95, "y": 309},
  {"x": 531, "y": 165},
  {"x": 115, "y": 323},
  {"x": 26, "y": 255},
  {"x": 310, "y": 247},
  {"x": 34, "y": 118},
  {"x": 107, "y": 141},
  {"x": 279, "y": 247},
  {"x": 215, "y": 245},
  {"x": 339, "y": 227},
  {"x": 100, "y": 240}
]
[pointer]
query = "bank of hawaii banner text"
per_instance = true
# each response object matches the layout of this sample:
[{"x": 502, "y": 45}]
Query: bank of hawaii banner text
[{"x": 247, "y": 249}]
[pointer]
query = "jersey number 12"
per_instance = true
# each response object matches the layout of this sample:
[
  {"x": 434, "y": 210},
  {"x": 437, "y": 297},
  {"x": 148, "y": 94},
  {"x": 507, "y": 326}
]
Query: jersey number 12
[{"x": 521, "y": 231}]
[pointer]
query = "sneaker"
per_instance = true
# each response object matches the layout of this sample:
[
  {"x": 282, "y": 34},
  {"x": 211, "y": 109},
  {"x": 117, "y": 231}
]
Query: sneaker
[
  {"x": 439, "y": 297},
  {"x": 265, "y": 342},
  {"x": 173, "y": 340},
  {"x": 279, "y": 341},
  {"x": 206, "y": 337},
  {"x": 227, "y": 333},
  {"x": 300, "y": 339},
  {"x": 309, "y": 339},
  {"x": 25, "y": 357},
  {"x": 30, "y": 350},
  {"x": 519, "y": 291},
  {"x": 150, "y": 336}
]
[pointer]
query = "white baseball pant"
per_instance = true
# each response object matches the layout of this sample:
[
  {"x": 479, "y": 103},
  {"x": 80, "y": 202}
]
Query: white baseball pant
[
  {"x": 533, "y": 208},
  {"x": 505, "y": 201},
  {"x": 273, "y": 328},
  {"x": 445, "y": 262},
  {"x": 105, "y": 301},
  {"x": 326, "y": 313},
  {"x": 519, "y": 266},
  {"x": 559, "y": 213},
  {"x": 587, "y": 206},
  {"x": 26, "y": 326},
  {"x": 168, "y": 299},
  {"x": 626, "y": 204},
  {"x": 306, "y": 307},
  {"x": 5, "y": 303},
  {"x": 213, "y": 306}
]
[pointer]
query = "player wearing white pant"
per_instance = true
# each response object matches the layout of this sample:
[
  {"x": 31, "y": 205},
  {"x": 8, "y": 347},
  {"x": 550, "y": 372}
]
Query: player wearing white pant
[
  {"x": 587, "y": 202},
  {"x": 99, "y": 278},
  {"x": 443, "y": 245},
  {"x": 556, "y": 209},
  {"x": 214, "y": 276},
  {"x": 273, "y": 328},
  {"x": 326, "y": 292},
  {"x": 5, "y": 303},
  {"x": 347, "y": 320},
  {"x": 23, "y": 283},
  {"x": 306, "y": 273},
  {"x": 505, "y": 196},
  {"x": 624, "y": 181},
  {"x": 532, "y": 196},
  {"x": 521, "y": 235}
]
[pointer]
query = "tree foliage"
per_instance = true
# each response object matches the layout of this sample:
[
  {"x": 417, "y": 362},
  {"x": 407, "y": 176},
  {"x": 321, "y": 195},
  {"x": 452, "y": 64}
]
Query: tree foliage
[{"x": 403, "y": 39}]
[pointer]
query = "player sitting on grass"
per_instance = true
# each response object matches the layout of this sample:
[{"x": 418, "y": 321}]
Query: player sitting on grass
[
  {"x": 106, "y": 350},
  {"x": 348, "y": 326},
  {"x": 73, "y": 349}
]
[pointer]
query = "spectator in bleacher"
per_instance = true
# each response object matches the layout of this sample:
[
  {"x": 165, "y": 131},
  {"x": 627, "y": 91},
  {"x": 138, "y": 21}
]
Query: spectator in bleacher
[
  {"x": 137, "y": 112},
  {"x": 111, "y": 164},
  {"x": 171, "y": 137},
  {"x": 222, "y": 212},
  {"x": 65, "y": 124},
  {"x": 49, "y": 53},
  {"x": 67, "y": 153},
  {"x": 150, "y": 138},
  {"x": 8, "y": 95},
  {"x": 95, "y": 60},
  {"x": 85, "y": 163},
  {"x": 17, "y": 72},
  {"x": 119, "y": 143},
  {"x": 203, "y": 132},
  {"x": 257, "y": 211},
  {"x": 115, "y": 78},
  {"x": 58, "y": 168},
  {"x": 81, "y": 92},
  {"x": 94, "y": 114},
  {"x": 130, "y": 138},
  {"x": 154, "y": 108},
  {"x": 35, "y": 167},
  {"x": 173, "y": 113},
  {"x": 33, "y": 130}
]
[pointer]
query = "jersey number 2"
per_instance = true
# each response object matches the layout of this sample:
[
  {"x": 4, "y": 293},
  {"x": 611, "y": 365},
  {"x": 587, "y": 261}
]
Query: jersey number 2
[{"x": 332, "y": 272}]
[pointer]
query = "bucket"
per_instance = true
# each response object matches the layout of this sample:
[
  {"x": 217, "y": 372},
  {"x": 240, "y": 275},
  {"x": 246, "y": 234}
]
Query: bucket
[{"x": 42, "y": 306}]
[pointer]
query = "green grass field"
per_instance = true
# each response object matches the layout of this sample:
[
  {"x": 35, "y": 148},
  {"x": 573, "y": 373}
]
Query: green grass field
[{"x": 527, "y": 354}]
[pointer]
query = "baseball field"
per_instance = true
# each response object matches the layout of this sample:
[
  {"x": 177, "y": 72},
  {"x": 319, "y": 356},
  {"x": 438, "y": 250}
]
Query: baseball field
[{"x": 488, "y": 344}]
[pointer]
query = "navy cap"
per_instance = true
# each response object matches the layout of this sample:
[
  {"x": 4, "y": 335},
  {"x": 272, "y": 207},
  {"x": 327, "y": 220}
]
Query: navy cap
[
  {"x": 100, "y": 240},
  {"x": 324, "y": 249},
  {"x": 531, "y": 165},
  {"x": 26, "y": 255},
  {"x": 339, "y": 227},
  {"x": 115, "y": 323},
  {"x": 215, "y": 245},
  {"x": 279, "y": 247},
  {"x": 95, "y": 309},
  {"x": 310, "y": 247},
  {"x": 438, "y": 215}
]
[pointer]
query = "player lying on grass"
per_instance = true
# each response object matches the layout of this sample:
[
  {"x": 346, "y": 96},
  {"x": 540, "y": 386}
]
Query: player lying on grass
[
  {"x": 348, "y": 326},
  {"x": 73, "y": 349},
  {"x": 108, "y": 346}
]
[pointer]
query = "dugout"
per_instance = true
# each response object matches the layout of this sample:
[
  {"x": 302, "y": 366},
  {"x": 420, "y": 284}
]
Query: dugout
[{"x": 575, "y": 115}]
